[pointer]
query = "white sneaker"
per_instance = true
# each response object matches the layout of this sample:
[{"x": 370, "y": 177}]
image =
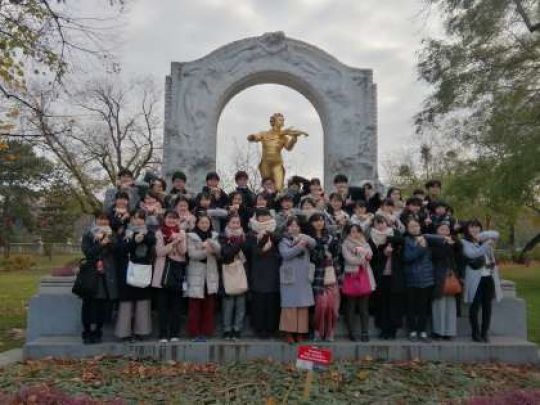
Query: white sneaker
[
  {"x": 175, "y": 339},
  {"x": 163, "y": 340},
  {"x": 413, "y": 336}
]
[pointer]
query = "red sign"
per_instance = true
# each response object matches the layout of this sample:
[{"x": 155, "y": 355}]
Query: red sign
[{"x": 317, "y": 355}]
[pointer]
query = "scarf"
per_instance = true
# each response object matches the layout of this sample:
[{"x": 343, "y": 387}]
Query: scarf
[
  {"x": 168, "y": 231},
  {"x": 351, "y": 244},
  {"x": 96, "y": 230},
  {"x": 202, "y": 234},
  {"x": 355, "y": 242},
  {"x": 258, "y": 227},
  {"x": 235, "y": 236},
  {"x": 379, "y": 238},
  {"x": 132, "y": 230}
]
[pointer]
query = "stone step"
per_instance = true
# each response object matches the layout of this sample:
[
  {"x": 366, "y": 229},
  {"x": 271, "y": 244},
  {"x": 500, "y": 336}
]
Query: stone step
[{"x": 500, "y": 349}]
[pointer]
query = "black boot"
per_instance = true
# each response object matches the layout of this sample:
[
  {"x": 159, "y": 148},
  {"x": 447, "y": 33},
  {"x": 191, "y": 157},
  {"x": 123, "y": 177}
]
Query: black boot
[
  {"x": 474, "y": 328},
  {"x": 95, "y": 336},
  {"x": 87, "y": 337}
]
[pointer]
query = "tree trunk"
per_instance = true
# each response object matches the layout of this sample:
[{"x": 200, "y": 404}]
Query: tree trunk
[{"x": 528, "y": 247}]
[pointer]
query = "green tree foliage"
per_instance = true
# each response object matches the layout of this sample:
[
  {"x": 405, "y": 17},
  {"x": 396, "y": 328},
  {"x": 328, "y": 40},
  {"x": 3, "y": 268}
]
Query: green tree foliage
[
  {"x": 486, "y": 77},
  {"x": 23, "y": 178}
]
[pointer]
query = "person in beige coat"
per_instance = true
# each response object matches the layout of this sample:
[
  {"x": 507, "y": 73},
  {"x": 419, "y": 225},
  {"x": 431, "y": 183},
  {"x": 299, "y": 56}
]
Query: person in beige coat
[
  {"x": 169, "y": 274},
  {"x": 202, "y": 278},
  {"x": 356, "y": 257}
]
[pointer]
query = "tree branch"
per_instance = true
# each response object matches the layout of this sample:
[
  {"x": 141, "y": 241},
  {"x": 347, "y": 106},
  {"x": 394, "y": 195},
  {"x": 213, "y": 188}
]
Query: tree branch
[{"x": 521, "y": 11}]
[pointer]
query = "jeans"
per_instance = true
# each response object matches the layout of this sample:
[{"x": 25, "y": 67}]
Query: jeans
[{"x": 234, "y": 311}]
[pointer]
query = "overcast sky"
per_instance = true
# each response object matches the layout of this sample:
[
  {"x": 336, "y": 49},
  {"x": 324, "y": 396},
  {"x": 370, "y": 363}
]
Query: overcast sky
[{"x": 380, "y": 35}]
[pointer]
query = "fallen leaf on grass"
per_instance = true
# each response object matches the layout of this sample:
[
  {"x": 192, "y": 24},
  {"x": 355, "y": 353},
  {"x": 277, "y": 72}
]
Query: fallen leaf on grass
[{"x": 362, "y": 375}]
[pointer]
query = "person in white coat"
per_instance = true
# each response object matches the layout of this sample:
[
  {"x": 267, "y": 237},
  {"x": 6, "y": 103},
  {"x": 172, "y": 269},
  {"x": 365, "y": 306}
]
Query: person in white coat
[
  {"x": 202, "y": 278},
  {"x": 482, "y": 281}
]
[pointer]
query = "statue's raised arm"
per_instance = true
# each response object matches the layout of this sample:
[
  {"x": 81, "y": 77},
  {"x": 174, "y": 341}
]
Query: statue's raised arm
[
  {"x": 294, "y": 132},
  {"x": 255, "y": 137},
  {"x": 273, "y": 142}
]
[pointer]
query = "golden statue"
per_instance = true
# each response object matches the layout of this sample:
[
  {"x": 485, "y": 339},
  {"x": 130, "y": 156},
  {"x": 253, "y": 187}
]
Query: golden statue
[{"x": 273, "y": 141}]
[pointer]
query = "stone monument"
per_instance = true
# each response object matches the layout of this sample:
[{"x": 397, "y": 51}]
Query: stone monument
[{"x": 196, "y": 93}]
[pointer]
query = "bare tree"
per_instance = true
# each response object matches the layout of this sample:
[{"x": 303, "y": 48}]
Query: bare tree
[
  {"x": 247, "y": 158},
  {"x": 104, "y": 126}
]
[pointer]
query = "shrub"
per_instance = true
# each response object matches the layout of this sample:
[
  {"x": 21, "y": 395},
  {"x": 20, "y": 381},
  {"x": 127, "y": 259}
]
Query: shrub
[{"x": 17, "y": 263}]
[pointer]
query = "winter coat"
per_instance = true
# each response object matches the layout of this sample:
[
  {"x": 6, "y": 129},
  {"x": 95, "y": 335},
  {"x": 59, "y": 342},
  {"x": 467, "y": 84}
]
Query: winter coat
[
  {"x": 216, "y": 202},
  {"x": 94, "y": 251},
  {"x": 140, "y": 253},
  {"x": 248, "y": 196},
  {"x": 172, "y": 251},
  {"x": 417, "y": 261},
  {"x": 323, "y": 255},
  {"x": 472, "y": 251},
  {"x": 202, "y": 270},
  {"x": 354, "y": 194},
  {"x": 444, "y": 257},
  {"x": 378, "y": 262},
  {"x": 353, "y": 260},
  {"x": 333, "y": 225},
  {"x": 263, "y": 267},
  {"x": 295, "y": 286}
]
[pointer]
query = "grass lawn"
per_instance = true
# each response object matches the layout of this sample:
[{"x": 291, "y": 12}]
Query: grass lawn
[
  {"x": 16, "y": 288},
  {"x": 527, "y": 279}
]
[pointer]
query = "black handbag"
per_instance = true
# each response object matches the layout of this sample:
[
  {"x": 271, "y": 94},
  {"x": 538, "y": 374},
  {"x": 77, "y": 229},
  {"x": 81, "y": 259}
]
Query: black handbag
[
  {"x": 477, "y": 263},
  {"x": 86, "y": 282},
  {"x": 173, "y": 275}
]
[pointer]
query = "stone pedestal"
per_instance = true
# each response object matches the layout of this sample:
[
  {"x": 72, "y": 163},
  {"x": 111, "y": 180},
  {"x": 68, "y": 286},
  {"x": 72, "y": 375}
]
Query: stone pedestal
[{"x": 54, "y": 329}]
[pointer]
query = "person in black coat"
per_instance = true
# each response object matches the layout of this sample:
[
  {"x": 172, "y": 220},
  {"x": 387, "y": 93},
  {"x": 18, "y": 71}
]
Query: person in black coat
[
  {"x": 371, "y": 197},
  {"x": 238, "y": 207},
  {"x": 241, "y": 179},
  {"x": 220, "y": 199},
  {"x": 119, "y": 213},
  {"x": 138, "y": 246},
  {"x": 386, "y": 244},
  {"x": 433, "y": 189},
  {"x": 349, "y": 194},
  {"x": 270, "y": 193},
  {"x": 263, "y": 260},
  {"x": 99, "y": 248},
  {"x": 178, "y": 189},
  {"x": 445, "y": 259}
]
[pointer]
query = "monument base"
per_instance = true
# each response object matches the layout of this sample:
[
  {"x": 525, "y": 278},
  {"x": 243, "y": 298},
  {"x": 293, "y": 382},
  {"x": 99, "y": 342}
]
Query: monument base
[
  {"x": 54, "y": 329},
  {"x": 500, "y": 349}
]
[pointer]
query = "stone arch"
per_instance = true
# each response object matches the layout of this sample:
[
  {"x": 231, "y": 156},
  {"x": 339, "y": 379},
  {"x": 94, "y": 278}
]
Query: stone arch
[{"x": 344, "y": 97}]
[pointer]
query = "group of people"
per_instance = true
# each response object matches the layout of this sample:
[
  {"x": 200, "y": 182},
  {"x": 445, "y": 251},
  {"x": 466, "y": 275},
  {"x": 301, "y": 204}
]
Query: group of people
[{"x": 294, "y": 261}]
